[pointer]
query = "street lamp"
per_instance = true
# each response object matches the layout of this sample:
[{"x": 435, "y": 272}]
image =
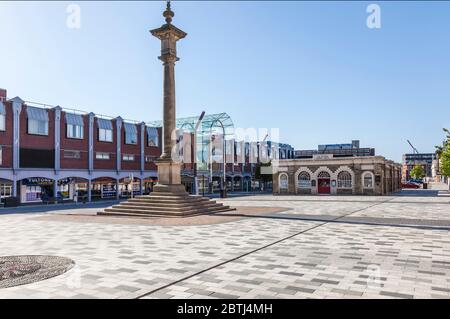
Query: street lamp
[
  {"x": 194, "y": 147},
  {"x": 224, "y": 177}
]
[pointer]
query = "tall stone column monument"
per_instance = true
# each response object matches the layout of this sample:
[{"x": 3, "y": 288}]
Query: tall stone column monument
[
  {"x": 169, "y": 197},
  {"x": 169, "y": 172}
]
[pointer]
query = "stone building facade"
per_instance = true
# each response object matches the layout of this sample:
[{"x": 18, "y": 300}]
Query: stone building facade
[{"x": 325, "y": 174}]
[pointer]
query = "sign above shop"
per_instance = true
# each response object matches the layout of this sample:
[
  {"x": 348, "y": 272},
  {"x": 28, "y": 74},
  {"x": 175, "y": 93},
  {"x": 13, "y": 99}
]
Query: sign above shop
[{"x": 37, "y": 181}]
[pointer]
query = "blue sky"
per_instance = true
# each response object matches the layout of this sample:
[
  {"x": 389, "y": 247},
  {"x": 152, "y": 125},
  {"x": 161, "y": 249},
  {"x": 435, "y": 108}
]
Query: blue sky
[{"x": 312, "y": 69}]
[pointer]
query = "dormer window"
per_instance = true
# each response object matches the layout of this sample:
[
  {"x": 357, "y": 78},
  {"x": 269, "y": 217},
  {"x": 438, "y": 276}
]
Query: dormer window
[
  {"x": 74, "y": 126},
  {"x": 130, "y": 134},
  {"x": 105, "y": 130},
  {"x": 37, "y": 121}
]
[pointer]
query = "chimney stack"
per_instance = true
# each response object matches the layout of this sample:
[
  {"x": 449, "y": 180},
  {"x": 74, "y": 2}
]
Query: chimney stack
[{"x": 2, "y": 94}]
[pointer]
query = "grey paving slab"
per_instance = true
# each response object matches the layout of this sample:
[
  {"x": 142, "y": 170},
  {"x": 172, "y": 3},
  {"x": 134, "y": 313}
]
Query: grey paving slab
[{"x": 321, "y": 260}]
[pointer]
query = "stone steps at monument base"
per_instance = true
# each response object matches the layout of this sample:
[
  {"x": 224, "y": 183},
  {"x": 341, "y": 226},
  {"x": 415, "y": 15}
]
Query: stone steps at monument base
[
  {"x": 174, "y": 201},
  {"x": 163, "y": 213},
  {"x": 166, "y": 207}
]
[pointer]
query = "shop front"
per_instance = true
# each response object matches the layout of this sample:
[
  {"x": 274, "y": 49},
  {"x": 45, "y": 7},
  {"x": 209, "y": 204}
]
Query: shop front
[
  {"x": 5, "y": 189},
  {"x": 148, "y": 184},
  {"x": 104, "y": 188},
  {"x": 35, "y": 190},
  {"x": 126, "y": 187}
]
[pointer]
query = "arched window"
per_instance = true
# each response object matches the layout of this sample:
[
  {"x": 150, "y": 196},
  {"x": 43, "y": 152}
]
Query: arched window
[
  {"x": 304, "y": 180},
  {"x": 344, "y": 180},
  {"x": 283, "y": 181},
  {"x": 367, "y": 180},
  {"x": 323, "y": 175}
]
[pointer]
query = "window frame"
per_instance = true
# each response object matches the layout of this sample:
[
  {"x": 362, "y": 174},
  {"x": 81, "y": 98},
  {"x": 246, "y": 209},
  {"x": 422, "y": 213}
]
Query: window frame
[
  {"x": 101, "y": 156},
  {"x": 372, "y": 178},
  {"x": 346, "y": 183},
  {"x": 46, "y": 127},
  {"x": 103, "y": 137},
  {"x": 301, "y": 183},
  {"x": 77, "y": 128},
  {"x": 2, "y": 122},
  {"x": 128, "y": 157},
  {"x": 127, "y": 136}
]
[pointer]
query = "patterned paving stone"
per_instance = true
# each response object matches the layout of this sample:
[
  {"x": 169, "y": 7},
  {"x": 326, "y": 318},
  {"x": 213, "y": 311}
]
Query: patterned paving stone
[{"x": 304, "y": 258}]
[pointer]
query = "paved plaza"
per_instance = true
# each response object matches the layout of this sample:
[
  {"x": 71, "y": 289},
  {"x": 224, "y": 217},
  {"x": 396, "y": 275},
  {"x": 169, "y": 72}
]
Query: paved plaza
[{"x": 308, "y": 247}]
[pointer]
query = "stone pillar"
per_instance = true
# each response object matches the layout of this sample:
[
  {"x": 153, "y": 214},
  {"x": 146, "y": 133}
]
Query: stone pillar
[
  {"x": 91, "y": 142},
  {"x": 55, "y": 187},
  {"x": 143, "y": 142},
  {"x": 57, "y": 111},
  {"x": 89, "y": 190},
  {"x": 119, "y": 122},
  {"x": 14, "y": 186},
  {"x": 169, "y": 172},
  {"x": 117, "y": 189},
  {"x": 17, "y": 103}
]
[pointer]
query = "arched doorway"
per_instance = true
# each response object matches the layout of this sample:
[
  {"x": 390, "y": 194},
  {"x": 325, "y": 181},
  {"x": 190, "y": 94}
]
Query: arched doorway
[
  {"x": 103, "y": 188},
  {"x": 6, "y": 189},
  {"x": 323, "y": 183}
]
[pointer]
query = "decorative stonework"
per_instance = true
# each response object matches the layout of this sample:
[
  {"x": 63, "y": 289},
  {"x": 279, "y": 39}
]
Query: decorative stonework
[{"x": 22, "y": 270}]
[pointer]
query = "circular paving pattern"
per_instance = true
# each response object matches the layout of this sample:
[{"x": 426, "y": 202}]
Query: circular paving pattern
[{"x": 21, "y": 270}]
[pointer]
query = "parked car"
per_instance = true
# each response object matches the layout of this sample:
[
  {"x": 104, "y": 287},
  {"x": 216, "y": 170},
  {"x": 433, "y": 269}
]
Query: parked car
[{"x": 410, "y": 185}]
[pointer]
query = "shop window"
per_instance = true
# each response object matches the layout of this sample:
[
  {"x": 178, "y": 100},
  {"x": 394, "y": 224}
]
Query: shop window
[
  {"x": 128, "y": 157},
  {"x": 367, "y": 180},
  {"x": 344, "y": 180},
  {"x": 102, "y": 156},
  {"x": 304, "y": 180}
]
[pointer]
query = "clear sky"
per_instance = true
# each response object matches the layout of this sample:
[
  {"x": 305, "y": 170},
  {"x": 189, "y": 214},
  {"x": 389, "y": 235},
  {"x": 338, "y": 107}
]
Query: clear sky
[{"x": 313, "y": 69}]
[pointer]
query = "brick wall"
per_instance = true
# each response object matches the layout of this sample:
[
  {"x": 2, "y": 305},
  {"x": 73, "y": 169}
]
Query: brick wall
[
  {"x": 6, "y": 137},
  {"x": 46, "y": 142},
  {"x": 152, "y": 151},
  {"x": 71, "y": 144},
  {"x": 106, "y": 147}
]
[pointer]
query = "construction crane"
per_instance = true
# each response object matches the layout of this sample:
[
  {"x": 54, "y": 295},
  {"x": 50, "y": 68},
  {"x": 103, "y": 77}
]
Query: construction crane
[{"x": 412, "y": 146}]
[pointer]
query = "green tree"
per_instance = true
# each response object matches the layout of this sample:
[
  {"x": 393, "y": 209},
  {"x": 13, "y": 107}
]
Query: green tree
[
  {"x": 443, "y": 155},
  {"x": 444, "y": 158},
  {"x": 417, "y": 172}
]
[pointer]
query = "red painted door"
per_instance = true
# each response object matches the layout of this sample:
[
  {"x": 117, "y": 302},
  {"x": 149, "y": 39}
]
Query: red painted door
[{"x": 323, "y": 186}]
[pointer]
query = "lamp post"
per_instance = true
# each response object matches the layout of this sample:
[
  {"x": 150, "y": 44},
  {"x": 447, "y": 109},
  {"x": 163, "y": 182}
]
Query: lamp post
[{"x": 194, "y": 148}]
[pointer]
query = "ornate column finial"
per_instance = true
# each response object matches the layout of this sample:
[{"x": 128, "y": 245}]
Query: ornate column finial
[{"x": 168, "y": 14}]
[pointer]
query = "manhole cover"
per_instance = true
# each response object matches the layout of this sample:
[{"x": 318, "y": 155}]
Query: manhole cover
[{"x": 21, "y": 270}]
